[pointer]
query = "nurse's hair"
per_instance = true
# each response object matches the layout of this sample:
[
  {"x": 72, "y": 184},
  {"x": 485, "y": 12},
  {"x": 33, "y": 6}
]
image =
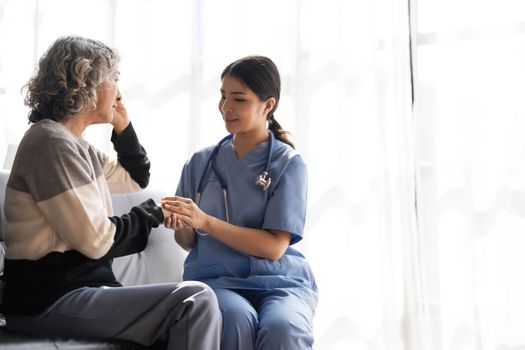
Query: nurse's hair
[
  {"x": 67, "y": 76},
  {"x": 261, "y": 75}
]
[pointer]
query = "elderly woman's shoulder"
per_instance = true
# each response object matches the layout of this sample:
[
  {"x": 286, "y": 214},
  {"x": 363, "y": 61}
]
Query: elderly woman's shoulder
[
  {"x": 48, "y": 130},
  {"x": 51, "y": 136}
]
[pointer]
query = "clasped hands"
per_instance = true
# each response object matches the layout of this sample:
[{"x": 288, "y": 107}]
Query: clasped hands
[{"x": 182, "y": 213}]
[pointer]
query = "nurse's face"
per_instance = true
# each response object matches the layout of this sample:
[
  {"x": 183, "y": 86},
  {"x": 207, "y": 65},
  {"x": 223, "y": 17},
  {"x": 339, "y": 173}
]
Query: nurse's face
[{"x": 241, "y": 109}]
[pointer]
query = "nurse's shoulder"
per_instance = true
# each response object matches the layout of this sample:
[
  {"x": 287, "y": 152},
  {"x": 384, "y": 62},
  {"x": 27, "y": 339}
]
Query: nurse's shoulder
[
  {"x": 284, "y": 153},
  {"x": 200, "y": 158},
  {"x": 284, "y": 156}
]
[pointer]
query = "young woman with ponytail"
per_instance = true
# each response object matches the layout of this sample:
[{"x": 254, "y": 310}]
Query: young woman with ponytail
[{"x": 239, "y": 226}]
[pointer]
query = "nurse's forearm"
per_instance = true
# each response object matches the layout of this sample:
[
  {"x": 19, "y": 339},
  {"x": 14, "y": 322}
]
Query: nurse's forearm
[
  {"x": 256, "y": 242},
  {"x": 185, "y": 238}
]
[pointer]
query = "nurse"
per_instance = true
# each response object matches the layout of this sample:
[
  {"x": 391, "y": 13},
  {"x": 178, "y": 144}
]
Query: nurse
[{"x": 239, "y": 208}]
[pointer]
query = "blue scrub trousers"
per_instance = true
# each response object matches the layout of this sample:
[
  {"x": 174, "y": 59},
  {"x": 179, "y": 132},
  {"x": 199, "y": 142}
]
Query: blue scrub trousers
[{"x": 277, "y": 319}]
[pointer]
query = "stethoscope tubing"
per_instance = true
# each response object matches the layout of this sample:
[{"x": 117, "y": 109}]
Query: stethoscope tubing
[{"x": 263, "y": 181}]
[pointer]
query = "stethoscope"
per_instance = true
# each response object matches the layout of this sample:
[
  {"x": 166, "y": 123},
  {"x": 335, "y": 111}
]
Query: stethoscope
[{"x": 262, "y": 181}]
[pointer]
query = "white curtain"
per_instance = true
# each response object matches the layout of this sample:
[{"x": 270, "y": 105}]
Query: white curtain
[{"x": 470, "y": 127}]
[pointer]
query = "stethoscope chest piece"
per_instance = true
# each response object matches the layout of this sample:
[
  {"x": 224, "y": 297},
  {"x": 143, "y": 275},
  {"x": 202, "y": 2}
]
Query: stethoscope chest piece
[{"x": 263, "y": 181}]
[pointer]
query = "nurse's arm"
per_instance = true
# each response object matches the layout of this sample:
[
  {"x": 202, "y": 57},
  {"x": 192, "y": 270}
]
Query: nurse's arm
[
  {"x": 267, "y": 244},
  {"x": 184, "y": 235},
  {"x": 255, "y": 242},
  {"x": 185, "y": 238}
]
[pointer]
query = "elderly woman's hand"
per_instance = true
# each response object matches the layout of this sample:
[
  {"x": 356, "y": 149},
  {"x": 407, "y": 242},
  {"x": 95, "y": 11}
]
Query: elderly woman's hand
[{"x": 120, "y": 116}]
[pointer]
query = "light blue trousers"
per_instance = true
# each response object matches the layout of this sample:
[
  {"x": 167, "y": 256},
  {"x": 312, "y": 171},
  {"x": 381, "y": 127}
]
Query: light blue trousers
[{"x": 278, "y": 319}]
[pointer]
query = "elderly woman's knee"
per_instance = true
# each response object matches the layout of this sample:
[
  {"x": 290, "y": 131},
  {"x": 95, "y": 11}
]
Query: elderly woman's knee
[{"x": 197, "y": 291}]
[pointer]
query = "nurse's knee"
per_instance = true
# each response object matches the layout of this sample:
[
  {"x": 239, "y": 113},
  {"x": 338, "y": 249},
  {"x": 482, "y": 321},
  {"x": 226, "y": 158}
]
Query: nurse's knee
[
  {"x": 239, "y": 317},
  {"x": 237, "y": 312},
  {"x": 240, "y": 323},
  {"x": 283, "y": 333}
]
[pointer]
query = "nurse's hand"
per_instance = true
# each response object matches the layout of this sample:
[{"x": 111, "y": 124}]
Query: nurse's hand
[
  {"x": 171, "y": 221},
  {"x": 186, "y": 210},
  {"x": 168, "y": 215},
  {"x": 184, "y": 235}
]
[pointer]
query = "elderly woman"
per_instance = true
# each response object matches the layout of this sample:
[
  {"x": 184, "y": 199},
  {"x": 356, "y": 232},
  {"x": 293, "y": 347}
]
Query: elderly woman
[{"x": 61, "y": 234}]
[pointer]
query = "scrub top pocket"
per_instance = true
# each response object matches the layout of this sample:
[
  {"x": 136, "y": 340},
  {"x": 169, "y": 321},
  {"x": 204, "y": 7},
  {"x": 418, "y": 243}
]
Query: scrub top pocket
[{"x": 288, "y": 267}]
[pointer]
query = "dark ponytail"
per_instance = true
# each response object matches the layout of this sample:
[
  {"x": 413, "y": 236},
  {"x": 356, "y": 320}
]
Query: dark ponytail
[
  {"x": 278, "y": 131},
  {"x": 261, "y": 75}
]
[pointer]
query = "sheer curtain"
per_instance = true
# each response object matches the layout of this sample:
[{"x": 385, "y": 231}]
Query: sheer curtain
[
  {"x": 469, "y": 93},
  {"x": 346, "y": 98}
]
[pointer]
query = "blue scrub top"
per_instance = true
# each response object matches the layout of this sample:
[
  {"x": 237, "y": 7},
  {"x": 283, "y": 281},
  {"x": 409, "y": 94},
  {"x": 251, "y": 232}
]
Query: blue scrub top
[{"x": 281, "y": 207}]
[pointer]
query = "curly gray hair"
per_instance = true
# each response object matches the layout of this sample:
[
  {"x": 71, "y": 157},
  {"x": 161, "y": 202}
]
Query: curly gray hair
[{"x": 67, "y": 76}]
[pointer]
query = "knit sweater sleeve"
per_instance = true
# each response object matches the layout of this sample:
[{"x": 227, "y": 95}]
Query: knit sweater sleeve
[
  {"x": 130, "y": 171},
  {"x": 132, "y": 229}
]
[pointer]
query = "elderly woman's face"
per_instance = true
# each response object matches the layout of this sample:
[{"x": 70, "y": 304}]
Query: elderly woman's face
[{"x": 106, "y": 100}]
